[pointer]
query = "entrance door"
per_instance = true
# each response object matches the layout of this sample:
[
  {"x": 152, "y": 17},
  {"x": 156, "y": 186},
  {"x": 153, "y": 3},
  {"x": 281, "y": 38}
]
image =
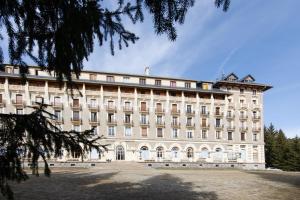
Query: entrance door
[
  {"x": 120, "y": 153},
  {"x": 144, "y": 153}
]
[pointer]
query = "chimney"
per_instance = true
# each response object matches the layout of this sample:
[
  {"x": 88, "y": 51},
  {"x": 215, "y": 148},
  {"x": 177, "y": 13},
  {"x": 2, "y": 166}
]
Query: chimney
[{"x": 147, "y": 71}]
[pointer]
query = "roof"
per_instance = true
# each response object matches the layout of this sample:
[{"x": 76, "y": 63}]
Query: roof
[
  {"x": 227, "y": 78},
  {"x": 248, "y": 77}
]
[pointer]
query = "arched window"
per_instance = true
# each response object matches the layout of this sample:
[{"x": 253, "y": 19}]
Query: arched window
[
  {"x": 218, "y": 149},
  {"x": 144, "y": 148},
  {"x": 175, "y": 151},
  {"x": 190, "y": 152},
  {"x": 159, "y": 152},
  {"x": 120, "y": 153},
  {"x": 204, "y": 153}
]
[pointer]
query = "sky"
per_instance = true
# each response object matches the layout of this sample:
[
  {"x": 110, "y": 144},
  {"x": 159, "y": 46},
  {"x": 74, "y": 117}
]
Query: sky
[{"x": 256, "y": 37}]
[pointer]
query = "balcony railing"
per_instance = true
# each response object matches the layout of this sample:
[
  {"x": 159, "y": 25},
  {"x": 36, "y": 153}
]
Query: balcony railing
[
  {"x": 190, "y": 125},
  {"x": 256, "y": 117},
  {"x": 76, "y": 120},
  {"x": 256, "y": 129},
  {"x": 111, "y": 122},
  {"x": 244, "y": 106},
  {"x": 219, "y": 114},
  {"x": 19, "y": 103},
  {"x": 128, "y": 122},
  {"x": 93, "y": 107},
  {"x": 144, "y": 110},
  {"x": 111, "y": 108},
  {"x": 219, "y": 126},
  {"x": 75, "y": 106},
  {"x": 94, "y": 122},
  {"x": 175, "y": 112},
  {"x": 243, "y": 117},
  {"x": 204, "y": 114},
  {"x": 190, "y": 112},
  {"x": 160, "y": 124},
  {"x": 144, "y": 123},
  {"x": 57, "y": 105},
  {"x": 230, "y": 116},
  {"x": 59, "y": 120},
  {"x": 230, "y": 128},
  {"x": 159, "y": 110},
  {"x": 128, "y": 109},
  {"x": 205, "y": 126},
  {"x": 243, "y": 129},
  {"x": 175, "y": 124}
]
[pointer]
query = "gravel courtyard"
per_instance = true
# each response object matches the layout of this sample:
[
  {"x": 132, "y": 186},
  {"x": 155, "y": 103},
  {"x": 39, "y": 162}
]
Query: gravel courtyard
[{"x": 133, "y": 181}]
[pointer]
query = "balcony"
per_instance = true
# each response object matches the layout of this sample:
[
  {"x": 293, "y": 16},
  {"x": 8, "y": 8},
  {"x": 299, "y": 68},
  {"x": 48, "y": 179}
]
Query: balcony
[
  {"x": 230, "y": 117},
  {"x": 205, "y": 126},
  {"x": 19, "y": 103},
  {"x": 128, "y": 122},
  {"x": 93, "y": 107},
  {"x": 243, "y": 117},
  {"x": 256, "y": 118},
  {"x": 230, "y": 128},
  {"x": 144, "y": 110},
  {"x": 231, "y": 105},
  {"x": 128, "y": 109},
  {"x": 190, "y": 125},
  {"x": 219, "y": 126},
  {"x": 256, "y": 129},
  {"x": 175, "y": 112},
  {"x": 204, "y": 114},
  {"x": 243, "y": 129},
  {"x": 159, "y": 111},
  {"x": 57, "y": 105},
  {"x": 94, "y": 122},
  {"x": 111, "y": 122},
  {"x": 160, "y": 124},
  {"x": 2, "y": 103},
  {"x": 190, "y": 112},
  {"x": 111, "y": 108},
  {"x": 58, "y": 121},
  {"x": 175, "y": 124},
  {"x": 76, "y": 121},
  {"x": 219, "y": 114},
  {"x": 144, "y": 123},
  {"x": 75, "y": 106},
  {"x": 244, "y": 106}
]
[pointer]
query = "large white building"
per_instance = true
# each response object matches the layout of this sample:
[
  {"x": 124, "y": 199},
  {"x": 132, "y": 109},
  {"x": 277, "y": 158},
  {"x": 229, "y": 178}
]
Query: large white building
[{"x": 151, "y": 118}]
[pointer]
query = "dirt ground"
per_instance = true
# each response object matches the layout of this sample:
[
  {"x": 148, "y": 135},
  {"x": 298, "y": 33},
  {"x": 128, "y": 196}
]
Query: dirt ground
[{"x": 137, "y": 182}]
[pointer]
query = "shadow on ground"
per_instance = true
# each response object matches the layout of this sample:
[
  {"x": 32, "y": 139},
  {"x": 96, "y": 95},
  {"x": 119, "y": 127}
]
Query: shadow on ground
[
  {"x": 86, "y": 186},
  {"x": 292, "y": 179}
]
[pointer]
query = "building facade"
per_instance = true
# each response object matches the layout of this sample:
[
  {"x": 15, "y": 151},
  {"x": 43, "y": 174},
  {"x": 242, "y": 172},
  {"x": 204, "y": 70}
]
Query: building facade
[{"x": 150, "y": 118}]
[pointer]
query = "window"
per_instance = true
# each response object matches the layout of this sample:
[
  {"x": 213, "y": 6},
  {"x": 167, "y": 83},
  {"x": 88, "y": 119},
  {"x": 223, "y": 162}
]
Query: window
[
  {"x": 218, "y": 122},
  {"x": 203, "y": 122},
  {"x": 159, "y": 152},
  {"x": 243, "y": 136},
  {"x": 127, "y": 118},
  {"x": 159, "y": 119},
  {"x": 143, "y": 106},
  {"x": 189, "y": 108},
  {"x": 187, "y": 85},
  {"x": 189, "y": 121},
  {"x": 19, "y": 99},
  {"x": 175, "y": 120},
  {"x": 56, "y": 101},
  {"x": 111, "y": 131},
  {"x": 127, "y": 131},
  {"x": 127, "y": 105},
  {"x": 126, "y": 79},
  {"x": 19, "y": 111},
  {"x": 205, "y": 86},
  {"x": 242, "y": 101},
  {"x": 204, "y": 134},
  {"x": 175, "y": 133},
  {"x": 39, "y": 99},
  {"x": 95, "y": 131},
  {"x": 254, "y": 92},
  {"x": 57, "y": 114},
  {"x": 218, "y": 111},
  {"x": 242, "y": 91},
  {"x": 76, "y": 115},
  {"x": 142, "y": 81},
  {"x": 229, "y": 100},
  {"x": 203, "y": 110},
  {"x": 110, "y": 104},
  {"x": 159, "y": 132},
  {"x": 158, "y": 82},
  {"x": 1, "y": 100},
  {"x": 8, "y": 70},
  {"x": 75, "y": 102},
  {"x": 93, "y": 103},
  {"x": 110, "y": 78},
  {"x": 189, "y": 134},
  {"x": 229, "y": 135},
  {"x": 190, "y": 152},
  {"x": 94, "y": 116},
  {"x": 254, "y": 114},
  {"x": 144, "y": 132},
  {"x": 229, "y": 113},
  {"x": 174, "y": 107},
  {"x": 143, "y": 119},
  {"x": 111, "y": 117},
  {"x": 218, "y": 135},
  {"x": 172, "y": 83},
  {"x": 159, "y": 107},
  {"x": 255, "y": 138},
  {"x": 93, "y": 77},
  {"x": 254, "y": 101}
]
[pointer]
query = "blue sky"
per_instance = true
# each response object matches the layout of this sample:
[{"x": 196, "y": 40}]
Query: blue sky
[{"x": 256, "y": 37}]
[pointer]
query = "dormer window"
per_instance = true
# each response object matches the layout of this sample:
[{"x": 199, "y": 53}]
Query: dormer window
[
  {"x": 93, "y": 77},
  {"x": 158, "y": 82},
  {"x": 187, "y": 85},
  {"x": 142, "y": 81},
  {"x": 254, "y": 92},
  {"x": 9, "y": 70},
  {"x": 126, "y": 79}
]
